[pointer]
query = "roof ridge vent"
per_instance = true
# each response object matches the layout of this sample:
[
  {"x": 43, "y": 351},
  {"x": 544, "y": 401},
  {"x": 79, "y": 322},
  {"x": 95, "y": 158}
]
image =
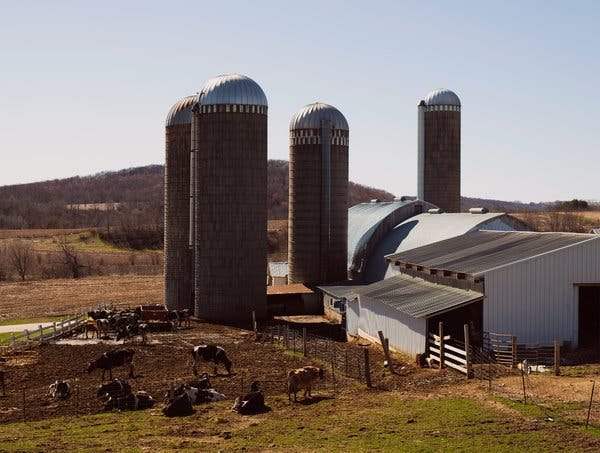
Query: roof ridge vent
[
  {"x": 405, "y": 198},
  {"x": 375, "y": 200},
  {"x": 435, "y": 211},
  {"x": 478, "y": 210}
]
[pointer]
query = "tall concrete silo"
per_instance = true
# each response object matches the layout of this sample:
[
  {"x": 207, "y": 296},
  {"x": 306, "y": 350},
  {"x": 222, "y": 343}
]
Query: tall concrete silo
[
  {"x": 178, "y": 253},
  {"x": 230, "y": 147},
  {"x": 318, "y": 199},
  {"x": 439, "y": 150}
]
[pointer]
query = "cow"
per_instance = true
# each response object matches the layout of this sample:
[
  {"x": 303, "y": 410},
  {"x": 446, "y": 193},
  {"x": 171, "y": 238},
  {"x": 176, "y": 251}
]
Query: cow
[
  {"x": 111, "y": 359},
  {"x": 59, "y": 389},
  {"x": 90, "y": 326},
  {"x": 202, "y": 382},
  {"x": 116, "y": 388},
  {"x": 178, "y": 405},
  {"x": 303, "y": 378},
  {"x": 252, "y": 402},
  {"x": 197, "y": 396},
  {"x": 129, "y": 332},
  {"x": 131, "y": 402},
  {"x": 208, "y": 352},
  {"x": 102, "y": 326}
]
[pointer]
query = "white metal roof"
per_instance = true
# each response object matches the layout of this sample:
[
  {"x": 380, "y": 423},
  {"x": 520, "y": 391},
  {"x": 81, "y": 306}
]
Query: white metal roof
[
  {"x": 425, "y": 229},
  {"x": 232, "y": 89},
  {"x": 181, "y": 112},
  {"x": 311, "y": 115},
  {"x": 442, "y": 96}
]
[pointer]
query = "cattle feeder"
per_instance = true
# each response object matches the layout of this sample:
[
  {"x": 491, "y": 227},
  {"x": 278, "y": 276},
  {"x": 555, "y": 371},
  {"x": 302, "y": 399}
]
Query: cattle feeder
[
  {"x": 230, "y": 124},
  {"x": 178, "y": 254},
  {"x": 438, "y": 142},
  {"x": 318, "y": 197}
]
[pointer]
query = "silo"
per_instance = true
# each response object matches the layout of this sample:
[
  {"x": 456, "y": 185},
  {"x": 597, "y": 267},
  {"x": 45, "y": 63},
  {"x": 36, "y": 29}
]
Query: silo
[
  {"x": 439, "y": 150},
  {"x": 178, "y": 254},
  {"x": 318, "y": 198},
  {"x": 230, "y": 123}
]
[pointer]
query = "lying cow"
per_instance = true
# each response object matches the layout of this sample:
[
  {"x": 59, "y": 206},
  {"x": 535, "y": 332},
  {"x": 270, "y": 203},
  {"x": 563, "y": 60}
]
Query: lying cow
[
  {"x": 178, "y": 406},
  {"x": 117, "y": 388},
  {"x": 60, "y": 389},
  {"x": 131, "y": 402},
  {"x": 196, "y": 395},
  {"x": 111, "y": 359},
  {"x": 211, "y": 352},
  {"x": 201, "y": 382},
  {"x": 303, "y": 378},
  {"x": 252, "y": 402}
]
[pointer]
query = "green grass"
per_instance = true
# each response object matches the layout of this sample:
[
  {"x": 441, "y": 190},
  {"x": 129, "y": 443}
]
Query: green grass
[
  {"x": 377, "y": 422},
  {"x": 41, "y": 320}
]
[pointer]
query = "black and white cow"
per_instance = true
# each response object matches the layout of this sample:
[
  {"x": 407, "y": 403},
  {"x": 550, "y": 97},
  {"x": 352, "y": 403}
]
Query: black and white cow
[
  {"x": 211, "y": 352},
  {"x": 129, "y": 332},
  {"x": 252, "y": 402},
  {"x": 201, "y": 382},
  {"x": 131, "y": 402},
  {"x": 59, "y": 389},
  {"x": 116, "y": 388},
  {"x": 112, "y": 359},
  {"x": 178, "y": 405},
  {"x": 199, "y": 396}
]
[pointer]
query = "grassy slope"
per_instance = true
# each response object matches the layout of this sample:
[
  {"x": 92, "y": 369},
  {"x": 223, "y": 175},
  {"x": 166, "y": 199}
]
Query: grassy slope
[{"x": 378, "y": 423}]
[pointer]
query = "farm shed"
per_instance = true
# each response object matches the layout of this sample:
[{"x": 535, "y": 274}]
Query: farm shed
[
  {"x": 295, "y": 299},
  {"x": 539, "y": 287},
  {"x": 336, "y": 300}
]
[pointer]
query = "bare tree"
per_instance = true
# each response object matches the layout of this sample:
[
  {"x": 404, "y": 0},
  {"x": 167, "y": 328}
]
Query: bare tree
[
  {"x": 21, "y": 257},
  {"x": 70, "y": 255}
]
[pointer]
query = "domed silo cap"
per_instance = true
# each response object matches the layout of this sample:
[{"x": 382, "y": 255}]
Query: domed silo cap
[
  {"x": 442, "y": 96},
  {"x": 232, "y": 89},
  {"x": 181, "y": 112},
  {"x": 311, "y": 115}
]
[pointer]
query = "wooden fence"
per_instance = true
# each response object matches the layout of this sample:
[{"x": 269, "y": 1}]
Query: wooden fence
[
  {"x": 16, "y": 342},
  {"x": 451, "y": 352}
]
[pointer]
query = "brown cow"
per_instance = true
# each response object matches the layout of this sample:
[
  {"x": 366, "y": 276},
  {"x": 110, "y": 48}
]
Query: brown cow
[{"x": 303, "y": 378}]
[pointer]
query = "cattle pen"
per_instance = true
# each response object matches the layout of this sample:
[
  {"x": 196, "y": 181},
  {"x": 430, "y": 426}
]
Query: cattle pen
[{"x": 351, "y": 360}]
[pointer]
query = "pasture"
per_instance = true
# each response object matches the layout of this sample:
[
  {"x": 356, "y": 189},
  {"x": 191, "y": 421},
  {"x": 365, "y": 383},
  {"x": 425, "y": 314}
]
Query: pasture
[{"x": 413, "y": 410}]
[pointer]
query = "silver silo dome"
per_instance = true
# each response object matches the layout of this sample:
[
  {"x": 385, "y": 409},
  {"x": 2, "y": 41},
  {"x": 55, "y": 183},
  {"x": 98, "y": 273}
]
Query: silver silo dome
[
  {"x": 232, "y": 89},
  {"x": 181, "y": 112},
  {"x": 311, "y": 115},
  {"x": 442, "y": 96}
]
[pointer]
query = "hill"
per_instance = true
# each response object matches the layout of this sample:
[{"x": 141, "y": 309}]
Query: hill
[{"x": 132, "y": 199}]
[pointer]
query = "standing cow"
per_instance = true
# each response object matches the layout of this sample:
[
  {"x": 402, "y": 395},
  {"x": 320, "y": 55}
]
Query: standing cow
[
  {"x": 111, "y": 359},
  {"x": 211, "y": 352},
  {"x": 303, "y": 378}
]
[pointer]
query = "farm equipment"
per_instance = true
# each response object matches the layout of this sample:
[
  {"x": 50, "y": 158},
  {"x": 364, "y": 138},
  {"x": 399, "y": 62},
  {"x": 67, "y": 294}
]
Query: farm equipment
[{"x": 156, "y": 316}]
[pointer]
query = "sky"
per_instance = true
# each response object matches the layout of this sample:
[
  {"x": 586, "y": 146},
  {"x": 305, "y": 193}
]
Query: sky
[{"x": 85, "y": 86}]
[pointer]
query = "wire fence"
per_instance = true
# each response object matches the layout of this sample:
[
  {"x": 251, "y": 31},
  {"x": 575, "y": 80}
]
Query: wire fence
[{"x": 343, "y": 358}]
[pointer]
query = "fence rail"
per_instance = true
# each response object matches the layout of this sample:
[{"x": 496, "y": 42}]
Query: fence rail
[{"x": 19, "y": 341}]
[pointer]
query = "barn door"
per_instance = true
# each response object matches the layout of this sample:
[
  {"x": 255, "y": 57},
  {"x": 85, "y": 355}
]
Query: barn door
[{"x": 589, "y": 317}]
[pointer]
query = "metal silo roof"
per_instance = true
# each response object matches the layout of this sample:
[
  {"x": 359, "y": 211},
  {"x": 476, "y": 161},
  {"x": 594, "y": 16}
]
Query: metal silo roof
[
  {"x": 181, "y": 112},
  {"x": 442, "y": 96},
  {"x": 232, "y": 89},
  {"x": 311, "y": 115}
]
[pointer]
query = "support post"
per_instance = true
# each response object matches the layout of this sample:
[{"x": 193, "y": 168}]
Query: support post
[
  {"x": 41, "y": 333},
  {"x": 556, "y": 358},
  {"x": 514, "y": 351},
  {"x": 386, "y": 350},
  {"x": 468, "y": 352},
  {"x": 254, "y": 321},
  {"x": 441, "y": 334},
  {"x": 367, "y": 369},
  {"x": 304, "y": 341},
  {"x": 587, "y": 421}
]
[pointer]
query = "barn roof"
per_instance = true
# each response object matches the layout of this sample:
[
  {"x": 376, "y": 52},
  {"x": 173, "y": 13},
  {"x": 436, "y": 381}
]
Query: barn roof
[
  {"x": 278, "y": 268},
  {"x": 416, "y": 297},
  {"x": 480, "y": 251},
  {"x": 347, "y": 290}
]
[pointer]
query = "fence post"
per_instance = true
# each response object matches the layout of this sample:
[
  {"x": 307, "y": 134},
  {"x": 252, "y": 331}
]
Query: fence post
[
  {"x": 441, "y": 334},
  {"x": 556, "y": 358},
  {"x": 514, "y": 351},
  {"x": 386, "y": 350},
  {"x": 294, "y": 341},
  {"x": 304, "y": 341},
  {"x": 27, "y": 335},
  {"x": 254, "y": 321},
  {"x": 12, "y": 338},
  {"x": 367, "y": 368},
  {"x": 54, "y": 328},
  {"x": 467, "y": 352}
]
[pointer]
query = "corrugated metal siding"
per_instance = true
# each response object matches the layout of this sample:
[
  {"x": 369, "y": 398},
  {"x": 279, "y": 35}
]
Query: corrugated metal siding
[
  {"x": 406, "y": 334},
  {"x": 536, "y": 300}
]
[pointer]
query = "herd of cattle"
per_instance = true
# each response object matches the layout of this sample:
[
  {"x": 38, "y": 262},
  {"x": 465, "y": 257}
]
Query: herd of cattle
[{"x": 179, "y": 401}]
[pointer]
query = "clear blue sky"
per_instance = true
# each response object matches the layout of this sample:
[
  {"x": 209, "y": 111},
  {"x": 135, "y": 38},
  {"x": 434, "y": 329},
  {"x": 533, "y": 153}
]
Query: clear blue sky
[{"x": 85, "y": 85}]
